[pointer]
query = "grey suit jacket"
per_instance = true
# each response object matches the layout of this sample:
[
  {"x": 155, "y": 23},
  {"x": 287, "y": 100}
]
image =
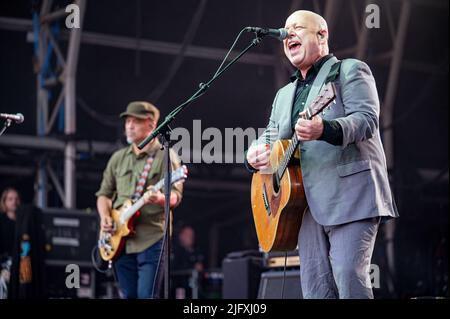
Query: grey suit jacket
[{"x": 348, "y": 182}]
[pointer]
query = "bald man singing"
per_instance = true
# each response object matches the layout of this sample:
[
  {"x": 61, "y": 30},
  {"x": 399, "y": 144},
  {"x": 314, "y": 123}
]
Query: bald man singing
[{"x": 342, "y": 160}]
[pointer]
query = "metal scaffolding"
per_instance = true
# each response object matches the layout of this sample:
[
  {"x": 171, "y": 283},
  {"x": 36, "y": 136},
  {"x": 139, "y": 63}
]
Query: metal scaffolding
[{"x": 51, "y": 77}]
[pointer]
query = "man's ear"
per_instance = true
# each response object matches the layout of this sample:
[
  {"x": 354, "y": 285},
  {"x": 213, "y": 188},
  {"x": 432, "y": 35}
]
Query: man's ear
[{"x": 323, "y": 35}]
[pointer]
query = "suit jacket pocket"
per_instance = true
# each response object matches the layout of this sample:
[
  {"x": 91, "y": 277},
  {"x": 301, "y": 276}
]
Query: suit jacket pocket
[{"x": 354, "y": 167}]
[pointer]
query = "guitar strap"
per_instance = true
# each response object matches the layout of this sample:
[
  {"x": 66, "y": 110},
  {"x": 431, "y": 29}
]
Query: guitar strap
[
  {"x": 321, "y": 78},
  {"x": 143, "y": 178}
]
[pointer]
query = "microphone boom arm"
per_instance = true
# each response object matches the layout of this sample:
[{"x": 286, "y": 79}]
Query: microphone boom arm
[
  {"x": 164, "y": 126},
  {"x": 5, "y": 126},
  {"x": 164, "y": 130}
]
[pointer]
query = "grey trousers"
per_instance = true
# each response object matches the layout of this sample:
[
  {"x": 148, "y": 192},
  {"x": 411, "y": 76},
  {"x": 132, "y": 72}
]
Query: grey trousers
[{"x": 335, "y": 260}]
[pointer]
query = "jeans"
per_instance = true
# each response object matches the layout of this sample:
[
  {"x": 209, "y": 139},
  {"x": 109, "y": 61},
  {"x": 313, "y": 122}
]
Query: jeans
[{"x": 137, "y": 272}]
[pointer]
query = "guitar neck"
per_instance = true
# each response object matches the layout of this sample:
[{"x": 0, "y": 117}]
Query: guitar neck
[
  {"x": 141, "y": 202},
  {"x": 293, "y": 144},
  {"x": 134, "y": 208},
  {"x": 177, "y": 175},
  {"x": 159, "y": 185}
]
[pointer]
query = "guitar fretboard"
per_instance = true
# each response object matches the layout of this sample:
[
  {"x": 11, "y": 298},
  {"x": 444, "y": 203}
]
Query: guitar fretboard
[
  {"x": 293, "y": 144},
  {"x": 175, "y": 176}
]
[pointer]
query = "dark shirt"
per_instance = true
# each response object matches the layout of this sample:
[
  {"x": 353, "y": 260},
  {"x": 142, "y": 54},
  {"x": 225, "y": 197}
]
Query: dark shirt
[
  {"x": 332, "y": 131},
  {"x": 7, "y": 231}
]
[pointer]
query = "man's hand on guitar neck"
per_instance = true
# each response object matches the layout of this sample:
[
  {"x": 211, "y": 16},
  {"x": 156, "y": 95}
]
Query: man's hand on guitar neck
[
  {"x": 258, "y": 156},
  {"x": 156, "y": 198},
  {"x": 308, "y": 130}
]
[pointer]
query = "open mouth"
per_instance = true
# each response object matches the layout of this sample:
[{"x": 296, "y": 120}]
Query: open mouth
[{"x": 294, "y": 46}]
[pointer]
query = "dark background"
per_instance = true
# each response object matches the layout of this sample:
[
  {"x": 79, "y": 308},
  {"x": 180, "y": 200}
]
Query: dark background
[{"x": 217, "y": 196}]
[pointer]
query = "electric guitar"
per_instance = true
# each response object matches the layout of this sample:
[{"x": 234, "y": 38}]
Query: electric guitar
[
  {"x": 124, "y": 218},
  {"x": 278, "y": 199}
]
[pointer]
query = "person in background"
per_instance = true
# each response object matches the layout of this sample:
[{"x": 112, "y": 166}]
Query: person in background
[
  {"x": 128, "y": 173},
  {"x": 186, "y": 254},
  {"x": 186, "y": 261},
  {"x": 9, "y": 202}
]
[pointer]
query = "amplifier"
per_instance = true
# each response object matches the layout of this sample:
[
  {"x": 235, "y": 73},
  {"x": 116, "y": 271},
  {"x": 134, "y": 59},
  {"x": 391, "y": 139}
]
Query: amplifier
[
  {"x": 276, "y": 262},
  {"x": 277, "y": 259},
  {"x": 271, "y": 285},
  {"x": 70, "y": 235},
  {"x": 241, "y": 274}
]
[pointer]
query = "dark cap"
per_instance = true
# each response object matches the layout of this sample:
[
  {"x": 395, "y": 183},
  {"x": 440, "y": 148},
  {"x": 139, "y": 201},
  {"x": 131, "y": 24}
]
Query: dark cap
[{"x": 142, "y": 110}]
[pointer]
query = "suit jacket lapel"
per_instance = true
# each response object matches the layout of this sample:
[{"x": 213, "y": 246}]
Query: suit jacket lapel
[
  {"x": 291, "y": 94},
  {"x": 320, "y": 80},
  {"x": 285, "y": 130}
]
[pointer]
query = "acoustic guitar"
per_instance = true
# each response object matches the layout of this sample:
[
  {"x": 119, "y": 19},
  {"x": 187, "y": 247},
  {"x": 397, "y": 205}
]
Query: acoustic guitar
[{"x": 278, "y": 199}]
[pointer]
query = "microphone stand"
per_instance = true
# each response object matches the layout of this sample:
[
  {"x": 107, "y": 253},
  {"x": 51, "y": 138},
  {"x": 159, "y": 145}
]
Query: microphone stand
[
  {"x": 164, "y": 131},
  {"x": 5, "y": 126}
]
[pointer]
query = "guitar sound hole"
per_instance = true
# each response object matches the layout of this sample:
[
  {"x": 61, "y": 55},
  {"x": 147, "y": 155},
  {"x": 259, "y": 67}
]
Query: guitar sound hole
[{"x": 275, "y": 183}]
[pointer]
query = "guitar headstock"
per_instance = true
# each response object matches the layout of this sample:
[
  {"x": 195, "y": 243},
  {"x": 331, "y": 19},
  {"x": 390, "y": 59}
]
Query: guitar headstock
[
  {"x": 326, "y": 95},
  {"x": 179, "y": 174}
]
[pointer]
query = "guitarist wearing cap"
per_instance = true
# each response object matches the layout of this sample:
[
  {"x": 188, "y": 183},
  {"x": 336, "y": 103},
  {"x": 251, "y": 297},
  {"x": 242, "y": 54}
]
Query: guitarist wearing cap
[
  {"x": 334, "y": 191},
  {"x": 128, "y": 174}
]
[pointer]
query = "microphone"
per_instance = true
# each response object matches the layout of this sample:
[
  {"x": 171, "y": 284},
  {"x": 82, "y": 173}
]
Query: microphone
[
  {"x": 280, "y": 34},
  {"x": 18, "y": 118}
]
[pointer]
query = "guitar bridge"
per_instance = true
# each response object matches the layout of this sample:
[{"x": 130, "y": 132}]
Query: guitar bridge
[{"x": 105, "y": 243}]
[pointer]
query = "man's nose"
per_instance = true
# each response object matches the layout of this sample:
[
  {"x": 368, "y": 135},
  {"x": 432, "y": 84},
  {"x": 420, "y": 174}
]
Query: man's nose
[
  {"x": 291, "y": 32},
  {"x": 290, "y": 35}
]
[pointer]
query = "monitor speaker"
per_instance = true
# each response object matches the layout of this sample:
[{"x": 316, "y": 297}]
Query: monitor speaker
[
  {"x": 241, "y": 274},
  {"x": 271, "y": 285}
]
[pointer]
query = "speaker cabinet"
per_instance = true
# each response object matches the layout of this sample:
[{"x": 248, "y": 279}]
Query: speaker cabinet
[
  {"x": 271, "y": 285},
  {"x": 70, "y": 235},
  {"x": 241, "y": 274}
]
